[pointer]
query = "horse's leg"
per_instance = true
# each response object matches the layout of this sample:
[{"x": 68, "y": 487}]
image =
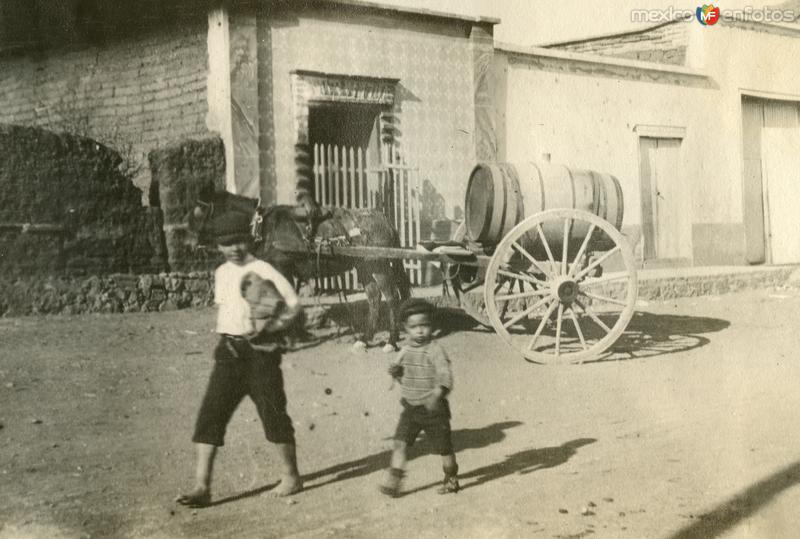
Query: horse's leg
[
  {"x": 373, "y": 293},
  {"x": 388, "y": 287}
]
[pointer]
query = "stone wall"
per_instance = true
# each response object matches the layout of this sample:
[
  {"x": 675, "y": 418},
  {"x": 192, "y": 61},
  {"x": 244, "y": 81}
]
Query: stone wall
[
  {"x": 137, "y": 86},
  {"x": 664, "y": 45},
  {"x": 84, "y": 214},
  {"x": 115, "y": 293},
  {"x": 178, "y": 173}
]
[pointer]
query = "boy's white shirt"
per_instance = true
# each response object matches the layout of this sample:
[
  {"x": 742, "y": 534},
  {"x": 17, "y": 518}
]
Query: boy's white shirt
[{"x": 233, "y": 317}]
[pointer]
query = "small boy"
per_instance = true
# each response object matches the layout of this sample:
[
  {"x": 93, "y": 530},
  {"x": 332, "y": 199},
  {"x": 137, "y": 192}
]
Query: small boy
[
  {"x": 423, "y": 370},
  {"x": 239, "y": 368}
]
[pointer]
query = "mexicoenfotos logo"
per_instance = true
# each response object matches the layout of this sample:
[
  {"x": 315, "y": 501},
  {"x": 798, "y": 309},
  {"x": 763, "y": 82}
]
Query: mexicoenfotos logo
[{"x": 707, "y": 15}]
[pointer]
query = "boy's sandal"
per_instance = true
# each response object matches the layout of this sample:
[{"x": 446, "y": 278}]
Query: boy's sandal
[
  {"x": 449, "y": 486},
  {"x": 391, "y": 486},
  {"x": 390, "y": 490},
  {"x": 194, "y": 500}
]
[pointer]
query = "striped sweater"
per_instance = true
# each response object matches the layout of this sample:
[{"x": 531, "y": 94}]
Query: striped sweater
[{"x": 425, "y": 368}]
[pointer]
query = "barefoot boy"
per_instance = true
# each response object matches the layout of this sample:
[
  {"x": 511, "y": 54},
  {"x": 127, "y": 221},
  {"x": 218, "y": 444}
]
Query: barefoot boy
[
  {"x": 423, "y": 369},
  {"x": 239, "y": 369}
]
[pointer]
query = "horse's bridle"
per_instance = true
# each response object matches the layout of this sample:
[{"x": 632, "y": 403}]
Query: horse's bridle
[{"x": 256, "y": 223}]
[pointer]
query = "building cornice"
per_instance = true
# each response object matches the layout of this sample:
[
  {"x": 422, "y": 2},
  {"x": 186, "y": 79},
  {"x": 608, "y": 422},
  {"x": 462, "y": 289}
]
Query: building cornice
[
  {"x": 423, "y": 12},
  {"x": 581, "y": 58}
]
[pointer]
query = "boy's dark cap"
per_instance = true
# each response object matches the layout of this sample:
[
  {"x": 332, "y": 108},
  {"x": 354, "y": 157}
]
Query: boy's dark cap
[
  {"x": 414, "y": 306},
  {"x": 231, "y": 227}
]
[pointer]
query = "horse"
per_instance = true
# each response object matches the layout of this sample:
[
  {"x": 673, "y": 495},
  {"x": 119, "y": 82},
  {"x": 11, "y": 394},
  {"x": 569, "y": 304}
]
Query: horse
[{"x": 280, "y": 239}]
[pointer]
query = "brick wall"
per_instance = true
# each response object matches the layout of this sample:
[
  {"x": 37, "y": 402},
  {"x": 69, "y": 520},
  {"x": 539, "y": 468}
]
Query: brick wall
[
  {"x": 664, "y": 45},
  {"x": 133, "y": 94}
]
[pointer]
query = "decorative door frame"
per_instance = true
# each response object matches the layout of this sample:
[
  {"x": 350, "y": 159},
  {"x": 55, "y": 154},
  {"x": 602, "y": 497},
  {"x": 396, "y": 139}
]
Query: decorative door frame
[{"x": 310, "y": 87}]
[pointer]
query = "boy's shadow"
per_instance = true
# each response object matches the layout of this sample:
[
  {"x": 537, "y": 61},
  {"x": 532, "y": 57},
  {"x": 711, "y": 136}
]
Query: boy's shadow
[
  {"x": 522, "y": 462},
  {"x": 462, "y": 439},
  {"x": 527, "y": 461}
]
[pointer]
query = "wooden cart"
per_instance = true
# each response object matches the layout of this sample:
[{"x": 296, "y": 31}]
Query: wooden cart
[{"x": 540, "y": 258}]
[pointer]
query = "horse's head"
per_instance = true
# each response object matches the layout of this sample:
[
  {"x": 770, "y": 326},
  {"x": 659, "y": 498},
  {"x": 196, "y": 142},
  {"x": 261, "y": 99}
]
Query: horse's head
[{"x": 211, "y": 202}]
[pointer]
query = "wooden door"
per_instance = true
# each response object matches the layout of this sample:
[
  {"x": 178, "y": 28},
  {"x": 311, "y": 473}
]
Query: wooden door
[
  {"x": 780, "y": 150},
  {"x": 752, "y": 185},
  {"x": 666, "y": 226}
]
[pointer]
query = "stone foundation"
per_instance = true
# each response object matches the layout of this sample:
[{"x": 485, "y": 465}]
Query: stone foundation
[{"x": 115, "y": 293}]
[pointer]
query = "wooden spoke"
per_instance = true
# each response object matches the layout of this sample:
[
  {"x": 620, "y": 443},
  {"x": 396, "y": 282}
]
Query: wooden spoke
[
  {"x": 596, "y": 263},
  {"x": 558, "y": 323},
  {"x": 588, "y": 310},
  {"x": 527, "y": 278},
  {"x": 546, "y": 245},
  {"x": 530, "y": 258},
  {"x": 533, "y": 293},
  {"x": 564, "y": 249},
  {"x": 526, "y": 312},
  {"x": 577, "y": 327},
  {"x": 582, "y": 250},
  {"x": 542, "y": 323}
]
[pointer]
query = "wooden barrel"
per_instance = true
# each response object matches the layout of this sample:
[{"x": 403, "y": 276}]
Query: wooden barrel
[{"x": 500, "y": 195}]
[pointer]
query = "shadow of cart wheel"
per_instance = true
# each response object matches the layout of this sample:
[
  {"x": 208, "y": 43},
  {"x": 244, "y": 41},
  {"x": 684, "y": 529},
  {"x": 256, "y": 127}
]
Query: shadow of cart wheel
[{"x": 650, "y": 335}]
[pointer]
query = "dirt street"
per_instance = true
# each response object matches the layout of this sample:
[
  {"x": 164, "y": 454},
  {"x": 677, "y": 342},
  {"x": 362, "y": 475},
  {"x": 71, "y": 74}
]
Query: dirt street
[{"x": 689, "y": 429}]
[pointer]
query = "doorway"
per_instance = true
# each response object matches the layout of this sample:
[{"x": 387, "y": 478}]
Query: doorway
[
  {"x": 665, "y": 203},
  {"x": 771, "y": 176},
  {"x": 345, "y": 141}
]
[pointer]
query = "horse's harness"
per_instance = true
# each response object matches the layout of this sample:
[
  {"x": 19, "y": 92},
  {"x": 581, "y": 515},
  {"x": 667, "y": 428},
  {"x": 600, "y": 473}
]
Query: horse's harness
[{"x": 258, "y": 220}]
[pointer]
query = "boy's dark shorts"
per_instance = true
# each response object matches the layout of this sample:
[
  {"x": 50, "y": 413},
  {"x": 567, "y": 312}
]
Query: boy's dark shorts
[
  {"x": 436, "y": 425},
  {"x": 241, "y": 371}
]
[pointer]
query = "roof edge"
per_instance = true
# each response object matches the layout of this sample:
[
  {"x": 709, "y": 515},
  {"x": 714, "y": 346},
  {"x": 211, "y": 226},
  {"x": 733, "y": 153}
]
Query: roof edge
[
  {"x": 597, "y": 59},
  {"x": 589, "y": 39},
  {"x": 773, "y": 28},
  {"x": 416, "y": 11}
]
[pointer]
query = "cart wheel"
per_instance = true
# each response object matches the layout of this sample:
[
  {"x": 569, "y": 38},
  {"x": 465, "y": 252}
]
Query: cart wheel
[{"x": 547, "y": 294}]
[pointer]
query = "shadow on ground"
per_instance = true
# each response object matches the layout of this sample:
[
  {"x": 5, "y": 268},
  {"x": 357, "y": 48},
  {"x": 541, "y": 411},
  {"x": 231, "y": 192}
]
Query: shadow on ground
[
  {"x": 647, "y": 335},
  {"x": 463, "y": 439},
  {"x": 521, "y": 462},
  {"x": 650, "y": 335},
  {"x": 729, "y": 513}
]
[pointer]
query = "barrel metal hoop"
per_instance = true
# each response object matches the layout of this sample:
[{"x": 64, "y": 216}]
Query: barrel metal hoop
[
  {"x": 520, "y": 205},
  {"x": 496, "y": 219},
  {"x": 598, "y": 195},
  {"x": 571, "y": 185},
  {"x": 541, "y": 189},
  {"x": 620, "y": 202}
]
